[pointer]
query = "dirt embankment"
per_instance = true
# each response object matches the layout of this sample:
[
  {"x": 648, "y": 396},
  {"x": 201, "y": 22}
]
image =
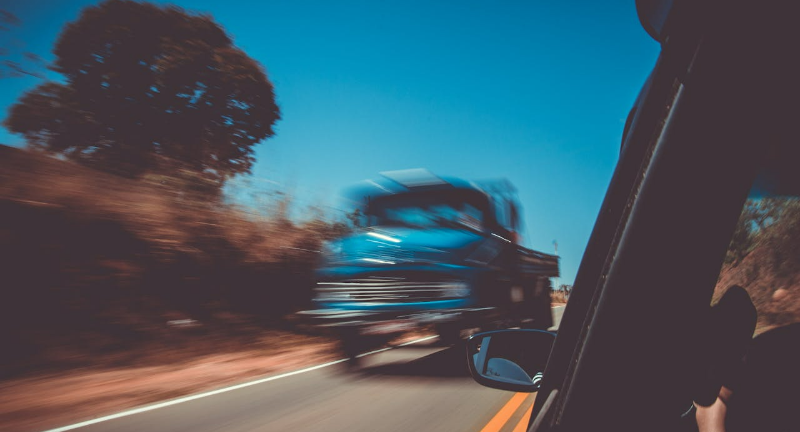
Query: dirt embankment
[
  {"x": 776, "y": 297},
  {"x": 764, "y": 258}
]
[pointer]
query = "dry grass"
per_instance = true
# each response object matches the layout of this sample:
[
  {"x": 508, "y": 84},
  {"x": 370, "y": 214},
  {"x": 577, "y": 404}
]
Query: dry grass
[
  {"x": 168, "y": 219},
  {"x": 776, "y": 298},
  {"x": 98, "y": 264},
  {"x": 558, "y": 297}
]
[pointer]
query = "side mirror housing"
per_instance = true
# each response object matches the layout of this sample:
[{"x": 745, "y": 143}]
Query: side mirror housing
[{"x": 512, "y": 359}]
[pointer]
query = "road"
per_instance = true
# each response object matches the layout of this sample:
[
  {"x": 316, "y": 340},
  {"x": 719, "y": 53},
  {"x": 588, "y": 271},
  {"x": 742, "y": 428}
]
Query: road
[
  {"x": 558, "y": 311},
  {"x": 417, "y": 387}
]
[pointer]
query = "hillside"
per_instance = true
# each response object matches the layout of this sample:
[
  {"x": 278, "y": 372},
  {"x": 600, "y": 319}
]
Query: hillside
[{"x": 768, "y": 263}]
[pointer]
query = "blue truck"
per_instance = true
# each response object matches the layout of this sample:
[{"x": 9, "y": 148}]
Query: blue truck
[{"x": 432, "y": 252}]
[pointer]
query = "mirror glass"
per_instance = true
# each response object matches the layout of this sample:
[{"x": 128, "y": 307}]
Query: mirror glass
[{"x": 512, "y": 359}]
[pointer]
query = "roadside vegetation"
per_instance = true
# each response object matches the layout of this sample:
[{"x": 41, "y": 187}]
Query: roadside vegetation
[
  {"x": 561, "y": 295},
  {"x": 764, "y": 258},
  {"x": 98, "y": 267},
  {"x": 117, "y": 239},
  {"x": 122, "y": 292}
]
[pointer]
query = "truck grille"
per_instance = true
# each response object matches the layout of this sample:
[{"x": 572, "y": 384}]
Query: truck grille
[
  {"x": 389, "y": 291},
  {"x": 395, "y": 255}
]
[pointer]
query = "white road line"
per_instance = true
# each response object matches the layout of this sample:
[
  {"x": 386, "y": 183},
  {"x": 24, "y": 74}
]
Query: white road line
[
  {"x": 218, "y": 391},
  {"x": 426, "y": 338}
]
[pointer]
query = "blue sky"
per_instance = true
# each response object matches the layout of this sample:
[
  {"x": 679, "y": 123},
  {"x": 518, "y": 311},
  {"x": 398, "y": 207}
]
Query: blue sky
[{"x": 533, "y": 91}]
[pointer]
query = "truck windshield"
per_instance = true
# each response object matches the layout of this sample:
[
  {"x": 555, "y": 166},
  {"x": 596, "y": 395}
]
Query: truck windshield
[{"x": 426, "y": 211}]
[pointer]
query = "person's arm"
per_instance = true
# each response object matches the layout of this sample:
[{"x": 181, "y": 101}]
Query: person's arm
[{"x": 712, "y": 418}]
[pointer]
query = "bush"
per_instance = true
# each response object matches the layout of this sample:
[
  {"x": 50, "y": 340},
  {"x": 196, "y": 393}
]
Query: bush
[{"x": 92, "y": 253}]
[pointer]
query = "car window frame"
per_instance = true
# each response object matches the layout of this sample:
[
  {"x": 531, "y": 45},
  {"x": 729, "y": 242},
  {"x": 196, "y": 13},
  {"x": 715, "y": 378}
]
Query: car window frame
[{"x": 662, "y": 132}]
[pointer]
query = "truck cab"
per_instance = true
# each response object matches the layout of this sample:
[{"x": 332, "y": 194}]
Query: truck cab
[{"x": 434, "y": 251}]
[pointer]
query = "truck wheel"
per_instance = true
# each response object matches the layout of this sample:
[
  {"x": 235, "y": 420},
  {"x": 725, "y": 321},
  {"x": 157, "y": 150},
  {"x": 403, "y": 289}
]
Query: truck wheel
[
  {"x": 543, "y": 315},
  {"x": 537, "y": 311},
  {"x": 351, "y": 346}
]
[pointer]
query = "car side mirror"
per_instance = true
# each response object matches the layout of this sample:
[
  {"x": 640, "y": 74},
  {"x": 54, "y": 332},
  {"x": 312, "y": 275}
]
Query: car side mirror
[{"x": 512, "y": 359}]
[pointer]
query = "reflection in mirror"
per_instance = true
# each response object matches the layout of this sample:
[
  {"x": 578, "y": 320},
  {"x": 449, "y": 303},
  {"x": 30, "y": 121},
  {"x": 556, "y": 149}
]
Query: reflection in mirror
[{"x": 510, "y": 359}]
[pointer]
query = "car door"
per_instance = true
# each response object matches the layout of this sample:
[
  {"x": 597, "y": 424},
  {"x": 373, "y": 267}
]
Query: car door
[{"x": 627, "y": 353}]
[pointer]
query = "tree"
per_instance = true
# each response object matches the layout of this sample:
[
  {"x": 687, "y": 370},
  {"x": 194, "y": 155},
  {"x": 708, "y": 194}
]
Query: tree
[
  {"x": 771, "y": 222},
  {"x": 150, "y": 89}
]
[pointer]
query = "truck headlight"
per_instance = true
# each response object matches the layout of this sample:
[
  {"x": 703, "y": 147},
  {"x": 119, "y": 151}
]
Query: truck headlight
[{"x": 456, "y": 289}]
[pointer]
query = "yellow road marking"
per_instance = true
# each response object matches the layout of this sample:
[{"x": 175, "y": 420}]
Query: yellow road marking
[
  {"x": 522, "y": 426},
  {"x": 499, "y": 420}
]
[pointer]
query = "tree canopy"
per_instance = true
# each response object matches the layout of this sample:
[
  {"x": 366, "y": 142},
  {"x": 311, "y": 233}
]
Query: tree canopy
[{"x": 150, "y": 89}]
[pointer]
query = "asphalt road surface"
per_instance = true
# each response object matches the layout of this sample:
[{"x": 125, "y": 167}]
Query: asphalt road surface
[{"x": 417, "y": 387}]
